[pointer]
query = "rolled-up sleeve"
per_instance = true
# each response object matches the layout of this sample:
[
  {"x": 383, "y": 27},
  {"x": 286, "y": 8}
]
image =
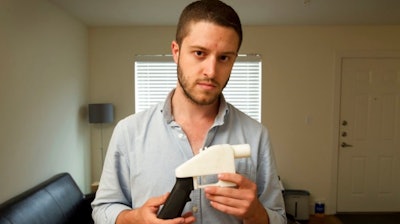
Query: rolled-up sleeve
[
  {"x": 113, "y": 195},
  {"x": 268, "y": 185}
]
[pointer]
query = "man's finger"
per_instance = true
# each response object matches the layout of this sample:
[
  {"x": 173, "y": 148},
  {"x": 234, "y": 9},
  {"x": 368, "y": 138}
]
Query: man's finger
[{"x": 157, "y": 201}]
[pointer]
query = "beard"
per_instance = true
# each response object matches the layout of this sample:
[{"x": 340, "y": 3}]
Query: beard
[{"x": 209, "y": 98}]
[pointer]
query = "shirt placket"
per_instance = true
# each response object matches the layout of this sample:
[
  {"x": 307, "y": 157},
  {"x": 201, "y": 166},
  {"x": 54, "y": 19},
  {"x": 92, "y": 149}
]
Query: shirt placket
[{"x": 196, "y": 204}]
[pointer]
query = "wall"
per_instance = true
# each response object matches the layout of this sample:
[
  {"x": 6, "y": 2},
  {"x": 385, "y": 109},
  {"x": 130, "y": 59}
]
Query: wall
[
  {"x": 299, "y": 93},
  {"x": 299, "y": 88},
  {"x": 111, "y": 63},
  {"x": 43, "y": 95}
]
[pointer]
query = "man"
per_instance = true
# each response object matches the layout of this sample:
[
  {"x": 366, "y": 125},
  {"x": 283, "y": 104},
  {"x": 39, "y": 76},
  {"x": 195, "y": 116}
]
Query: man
[{"x": 146, "y": 147}]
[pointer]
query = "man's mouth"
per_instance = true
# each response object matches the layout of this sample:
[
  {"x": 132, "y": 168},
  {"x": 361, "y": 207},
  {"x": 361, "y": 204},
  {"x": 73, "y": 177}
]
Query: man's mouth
[{"x": 207, "y": 84}]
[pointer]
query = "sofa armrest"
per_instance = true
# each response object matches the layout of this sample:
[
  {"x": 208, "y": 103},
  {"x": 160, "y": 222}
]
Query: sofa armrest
[
  {"x": 90, "y": 197},
  {"x": 85, "y": 210},
  {"x": 56, "y": 200}
]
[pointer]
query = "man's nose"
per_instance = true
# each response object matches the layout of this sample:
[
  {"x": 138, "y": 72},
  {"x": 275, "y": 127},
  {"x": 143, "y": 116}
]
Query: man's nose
[{"x": 210, "y": 67}]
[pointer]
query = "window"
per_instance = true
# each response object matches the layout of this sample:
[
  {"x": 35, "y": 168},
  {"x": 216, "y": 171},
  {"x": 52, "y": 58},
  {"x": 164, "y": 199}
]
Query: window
[{"x": 155, "y": 76}]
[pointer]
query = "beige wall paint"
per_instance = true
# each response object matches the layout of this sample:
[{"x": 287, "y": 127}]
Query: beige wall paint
[
  {"x": 299, "y": 87},
  {"x": 43, "y": 95},
  {"x": 111, "y": 62},
  {"x": 300, "y": 80}
]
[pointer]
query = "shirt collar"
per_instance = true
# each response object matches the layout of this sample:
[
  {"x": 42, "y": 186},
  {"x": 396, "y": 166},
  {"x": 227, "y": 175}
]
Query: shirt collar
[
  {"x": 219, "y": 120},
  {"x": 167, "y": 108}
]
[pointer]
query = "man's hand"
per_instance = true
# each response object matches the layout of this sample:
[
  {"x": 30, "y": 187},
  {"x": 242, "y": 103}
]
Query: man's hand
[
  {"x": 241, "y": 201},
  {"x": 147, "y": 214}
]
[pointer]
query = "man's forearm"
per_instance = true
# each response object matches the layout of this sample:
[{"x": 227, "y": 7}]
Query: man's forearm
[
  {"x": 125, "y": 217},
  {"x": 260, "y": 216}
]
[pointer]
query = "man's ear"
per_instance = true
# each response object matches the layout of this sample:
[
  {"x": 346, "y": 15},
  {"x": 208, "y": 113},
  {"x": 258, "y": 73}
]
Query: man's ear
[{"x": 175, "y": 51}]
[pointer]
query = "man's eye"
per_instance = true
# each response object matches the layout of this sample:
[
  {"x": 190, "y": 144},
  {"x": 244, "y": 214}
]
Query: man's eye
[
  {"x": 224, "y": 58},
  {"x": 199, "y": 53}
]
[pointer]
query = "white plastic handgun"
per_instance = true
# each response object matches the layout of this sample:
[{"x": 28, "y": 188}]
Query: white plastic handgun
[{"x": 210, "y": 161}]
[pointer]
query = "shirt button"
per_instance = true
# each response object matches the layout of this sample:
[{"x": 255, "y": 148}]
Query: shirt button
[
  {"x": 195, "y": 209},
  {"x": 181, "y": 136}
]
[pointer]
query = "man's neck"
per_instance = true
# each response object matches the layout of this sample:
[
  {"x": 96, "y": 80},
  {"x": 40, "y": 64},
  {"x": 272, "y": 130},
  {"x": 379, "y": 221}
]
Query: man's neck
[{"x": 195, "y": 120}]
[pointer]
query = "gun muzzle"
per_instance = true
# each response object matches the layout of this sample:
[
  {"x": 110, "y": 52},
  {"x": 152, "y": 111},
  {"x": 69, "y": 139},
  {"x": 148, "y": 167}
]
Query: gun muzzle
[{"x": 241, "y": 151}]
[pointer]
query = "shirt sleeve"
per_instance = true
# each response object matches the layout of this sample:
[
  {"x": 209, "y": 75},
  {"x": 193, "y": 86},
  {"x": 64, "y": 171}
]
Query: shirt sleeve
[
  {"x": 270, "y": 193},
  {"x": 113, "y": 195}
]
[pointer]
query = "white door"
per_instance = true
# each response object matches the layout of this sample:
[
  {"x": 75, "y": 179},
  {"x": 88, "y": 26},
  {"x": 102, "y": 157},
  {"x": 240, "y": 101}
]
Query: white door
[{"x": 369, "y": 147}]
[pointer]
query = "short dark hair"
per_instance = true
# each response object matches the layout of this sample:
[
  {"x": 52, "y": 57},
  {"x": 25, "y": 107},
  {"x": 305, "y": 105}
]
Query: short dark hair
[{"x": 213, "y": 11}]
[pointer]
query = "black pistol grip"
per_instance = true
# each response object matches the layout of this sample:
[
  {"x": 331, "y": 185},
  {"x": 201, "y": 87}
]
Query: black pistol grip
[{"x": 177, "y": 199}]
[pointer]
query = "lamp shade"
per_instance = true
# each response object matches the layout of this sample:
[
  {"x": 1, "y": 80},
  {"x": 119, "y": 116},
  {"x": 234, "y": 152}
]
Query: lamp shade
[{"x": 101, "y": 113}]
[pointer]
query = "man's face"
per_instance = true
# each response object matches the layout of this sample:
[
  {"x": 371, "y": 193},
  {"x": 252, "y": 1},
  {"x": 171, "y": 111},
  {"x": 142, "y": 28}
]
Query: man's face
[{"x": 205, "y": 59}]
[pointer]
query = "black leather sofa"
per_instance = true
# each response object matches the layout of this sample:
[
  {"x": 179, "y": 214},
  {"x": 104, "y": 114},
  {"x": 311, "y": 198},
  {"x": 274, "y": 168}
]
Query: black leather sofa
[{"x": 57, "y": 200}]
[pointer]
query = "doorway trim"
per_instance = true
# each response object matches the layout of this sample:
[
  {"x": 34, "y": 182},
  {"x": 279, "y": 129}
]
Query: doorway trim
[{"x": 339, "y": 56}]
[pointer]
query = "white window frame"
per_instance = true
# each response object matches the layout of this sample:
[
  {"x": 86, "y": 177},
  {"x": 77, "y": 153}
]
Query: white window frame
[{"x": 155, "y": 77}]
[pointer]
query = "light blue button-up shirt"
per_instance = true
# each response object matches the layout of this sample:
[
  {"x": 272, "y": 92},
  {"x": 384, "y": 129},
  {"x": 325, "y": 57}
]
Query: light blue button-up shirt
[{"x": 146, "y": 147}]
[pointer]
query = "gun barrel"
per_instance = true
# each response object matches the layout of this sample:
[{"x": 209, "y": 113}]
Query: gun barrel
[{"x": 241, "y": 151}]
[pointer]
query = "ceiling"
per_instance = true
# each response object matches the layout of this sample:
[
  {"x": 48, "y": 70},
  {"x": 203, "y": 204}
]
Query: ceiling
[{"x": 251, "y": 12}]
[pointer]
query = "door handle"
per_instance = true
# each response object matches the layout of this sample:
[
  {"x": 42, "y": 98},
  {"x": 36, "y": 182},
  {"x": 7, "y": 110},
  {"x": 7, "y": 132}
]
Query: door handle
[{"x": 344, "y": 145}]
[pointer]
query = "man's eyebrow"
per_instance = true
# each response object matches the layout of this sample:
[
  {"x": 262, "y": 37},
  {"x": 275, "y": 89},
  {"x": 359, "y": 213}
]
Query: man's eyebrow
[
  {"x": 195, "y": 47},
  {"x": 231, "y": 53}
]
